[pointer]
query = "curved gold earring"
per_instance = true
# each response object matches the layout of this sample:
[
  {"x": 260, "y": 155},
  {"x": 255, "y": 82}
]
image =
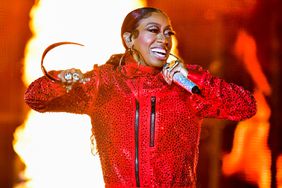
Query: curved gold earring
[
  {"x": 130, "y": 51},
  {"x": 54, "y": 45}
]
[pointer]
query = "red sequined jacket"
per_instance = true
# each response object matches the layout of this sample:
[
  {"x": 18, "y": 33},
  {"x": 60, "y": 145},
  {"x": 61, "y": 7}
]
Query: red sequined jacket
[{"x": 147, "y": 132}]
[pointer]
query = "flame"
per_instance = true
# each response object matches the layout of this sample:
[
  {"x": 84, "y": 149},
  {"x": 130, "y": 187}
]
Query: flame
[
  {"x": 279, "y": 172},
  {"x": 55, "y": 147},
  {"x": 250, "y": 155},
  {"x": 245, "y": 48}
]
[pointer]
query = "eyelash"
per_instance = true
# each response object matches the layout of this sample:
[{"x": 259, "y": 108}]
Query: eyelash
[
  {"x": 170, "y": 33},
  {"x": 156, "y": 30}
]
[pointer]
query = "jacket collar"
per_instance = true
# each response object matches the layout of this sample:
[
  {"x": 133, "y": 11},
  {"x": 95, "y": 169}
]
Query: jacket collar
[{"x": 131, "y": 68}]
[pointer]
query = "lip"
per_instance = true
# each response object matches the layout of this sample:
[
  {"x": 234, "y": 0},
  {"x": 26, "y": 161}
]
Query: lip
[{"x": 160, "y": 53}]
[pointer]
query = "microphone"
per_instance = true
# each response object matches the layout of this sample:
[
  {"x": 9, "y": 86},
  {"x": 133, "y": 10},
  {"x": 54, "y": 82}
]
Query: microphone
[
  {"x": 186, "y": 83},
  {"x": 182, "y": 80}
]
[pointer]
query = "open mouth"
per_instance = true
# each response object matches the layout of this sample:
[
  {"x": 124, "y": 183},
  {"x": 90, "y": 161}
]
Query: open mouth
[{"x": 160, "y": 53}]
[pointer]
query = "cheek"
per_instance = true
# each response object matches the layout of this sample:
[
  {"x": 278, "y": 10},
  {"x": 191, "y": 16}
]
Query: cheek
[
  {"x": 144, "y": 41},
  {"x": 148, "y": 39}
]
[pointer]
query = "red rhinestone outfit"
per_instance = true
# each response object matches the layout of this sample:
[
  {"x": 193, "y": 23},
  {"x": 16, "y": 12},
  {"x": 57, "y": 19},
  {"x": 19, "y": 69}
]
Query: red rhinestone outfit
[{"x": 147, "y": 132}]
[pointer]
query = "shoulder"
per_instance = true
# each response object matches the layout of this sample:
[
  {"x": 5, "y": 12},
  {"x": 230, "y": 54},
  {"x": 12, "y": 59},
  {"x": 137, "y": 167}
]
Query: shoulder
[
  {"x": 99, "y": 71},
  {"x": 194, "y": 67},
  {"x": 197, "y": 69},
  {"x": 111, "y": 64}
]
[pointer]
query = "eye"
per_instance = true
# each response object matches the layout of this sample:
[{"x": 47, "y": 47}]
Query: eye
[
  {"x": 169, "y": 33},
  {"x": 154, "y": 29}
]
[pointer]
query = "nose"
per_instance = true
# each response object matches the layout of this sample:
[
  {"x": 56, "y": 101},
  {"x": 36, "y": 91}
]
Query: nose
[{"x": 162, "y": 38}]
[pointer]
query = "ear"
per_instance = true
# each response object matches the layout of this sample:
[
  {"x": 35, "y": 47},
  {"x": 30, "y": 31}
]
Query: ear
[{"x": 127, "y": 37}]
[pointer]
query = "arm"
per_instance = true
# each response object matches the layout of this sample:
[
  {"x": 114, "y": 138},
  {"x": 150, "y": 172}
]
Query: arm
[
  {"x": 45, "y": 95},
  {"x": 220, "y": 99}
]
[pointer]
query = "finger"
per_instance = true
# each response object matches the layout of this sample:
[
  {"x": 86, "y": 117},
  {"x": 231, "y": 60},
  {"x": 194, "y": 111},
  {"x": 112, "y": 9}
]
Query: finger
[
  {"x": 184, "y": 72},
  {"x": 76, "y": 76},
  {"x": 68, "y": 77},
  {"x": 180, "y": 68},
  {"x": 61, "y": 76},
  {"x": 168, "y": 80},
  {"x": 166, "y": 76}
]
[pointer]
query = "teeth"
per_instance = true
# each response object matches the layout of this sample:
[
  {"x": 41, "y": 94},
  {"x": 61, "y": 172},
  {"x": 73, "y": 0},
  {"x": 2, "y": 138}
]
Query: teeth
[{"x": 159, "y": 50}]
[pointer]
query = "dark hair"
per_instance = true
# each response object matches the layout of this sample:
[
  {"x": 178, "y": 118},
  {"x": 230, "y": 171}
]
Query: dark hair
[{"x": 131, "y": 21}]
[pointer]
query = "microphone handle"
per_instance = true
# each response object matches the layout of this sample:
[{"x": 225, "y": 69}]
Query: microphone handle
[{"x": 186, "y": 83}]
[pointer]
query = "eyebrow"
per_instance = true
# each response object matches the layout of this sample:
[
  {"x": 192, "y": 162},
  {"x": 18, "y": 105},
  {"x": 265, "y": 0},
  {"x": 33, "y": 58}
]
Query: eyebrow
[{"x": 155, "y": 23}]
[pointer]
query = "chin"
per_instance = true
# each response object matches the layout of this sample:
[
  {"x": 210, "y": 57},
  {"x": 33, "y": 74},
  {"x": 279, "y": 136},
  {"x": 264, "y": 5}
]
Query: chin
[
  {"x": 157, "y": 63},
  {"x": 160, "y": 63}
]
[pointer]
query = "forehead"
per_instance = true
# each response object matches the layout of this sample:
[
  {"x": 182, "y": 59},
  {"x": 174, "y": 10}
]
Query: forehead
[{"x": 155, "y": 18}]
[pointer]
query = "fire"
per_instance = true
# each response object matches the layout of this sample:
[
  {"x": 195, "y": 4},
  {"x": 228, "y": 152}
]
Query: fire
[
  {"x": 250, "y": 155},
  {"x": 55, "y": 147},
  {"x": 279, "y": 172}
]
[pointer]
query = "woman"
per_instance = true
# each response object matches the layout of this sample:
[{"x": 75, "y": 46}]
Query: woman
[{"x": 146, "y": 128}]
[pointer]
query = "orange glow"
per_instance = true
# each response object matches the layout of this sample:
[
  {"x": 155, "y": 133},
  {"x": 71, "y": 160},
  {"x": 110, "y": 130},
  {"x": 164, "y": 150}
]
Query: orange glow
[
  {"x": 250, "y": 155},
  {"x": 245, "y": 48},
  {"x": 56, "y": 147},
  {"x": 279, "y": 172}
]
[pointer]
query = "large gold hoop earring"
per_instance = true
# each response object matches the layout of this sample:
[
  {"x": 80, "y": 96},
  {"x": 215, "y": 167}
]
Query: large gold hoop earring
[{"x": 129, "y": 51}]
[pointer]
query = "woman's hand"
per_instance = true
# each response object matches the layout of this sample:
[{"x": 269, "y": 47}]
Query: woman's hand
[
  {"x": 71, "y": 76},
  {"x": 171, "y": 68}
]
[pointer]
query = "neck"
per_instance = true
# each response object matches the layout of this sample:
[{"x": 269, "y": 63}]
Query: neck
[{"x": 138, "y": 57}]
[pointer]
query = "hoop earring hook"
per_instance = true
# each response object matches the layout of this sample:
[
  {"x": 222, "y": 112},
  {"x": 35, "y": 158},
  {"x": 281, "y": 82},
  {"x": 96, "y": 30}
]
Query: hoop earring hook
[{"x": 130, "y": 51}]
